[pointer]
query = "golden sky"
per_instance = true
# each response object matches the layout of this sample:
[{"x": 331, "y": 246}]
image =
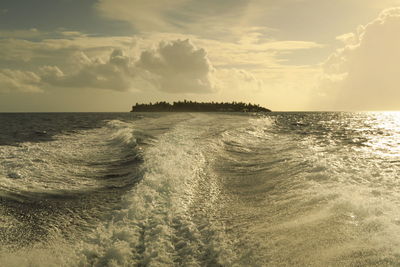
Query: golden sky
[{"x": 287, "y": 55}]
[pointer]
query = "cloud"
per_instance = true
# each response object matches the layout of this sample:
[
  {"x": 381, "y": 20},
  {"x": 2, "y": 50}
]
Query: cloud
[
  {"x": 206, "y": 18},
  {"x": 238, "y": 80},
  {"x": 114, "y": 74},
  {"x": 252, "y": 55},
  {"x": 175, "y": 66},
  {"x": 21, "y": 81},
  {"x": 61, "y": 52},
  {"x": 143, "y": 14},
  {"x": 160, "y": 64},
  {"x": 179, "y": 67},
  {"x": 364, "y": 74},
  {"x": 31, "y": 33}
]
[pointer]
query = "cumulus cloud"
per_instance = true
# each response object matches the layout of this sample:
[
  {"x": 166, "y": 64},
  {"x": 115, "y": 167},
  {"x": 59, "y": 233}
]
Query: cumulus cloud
[
  {"x": 113, "y": 74},
  {"x": 179, "y": 67},
  {"x": 364, "y": 74},
  {"x": 175, "y": 66}
]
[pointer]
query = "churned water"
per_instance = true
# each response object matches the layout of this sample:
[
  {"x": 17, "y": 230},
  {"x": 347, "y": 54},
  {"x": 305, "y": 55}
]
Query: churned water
[{"x": 200, "y": 189}]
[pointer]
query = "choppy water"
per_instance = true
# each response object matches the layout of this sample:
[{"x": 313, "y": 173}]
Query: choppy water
[{"x": 200, "y": 189}]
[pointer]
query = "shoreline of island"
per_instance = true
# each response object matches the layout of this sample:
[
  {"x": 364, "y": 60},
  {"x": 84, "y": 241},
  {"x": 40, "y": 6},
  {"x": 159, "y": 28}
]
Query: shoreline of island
[{"x": 192, "y": 106}]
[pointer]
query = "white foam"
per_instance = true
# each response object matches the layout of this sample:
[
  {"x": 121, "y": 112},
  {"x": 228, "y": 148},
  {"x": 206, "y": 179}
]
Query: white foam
[{"x": 157, "y": 223}]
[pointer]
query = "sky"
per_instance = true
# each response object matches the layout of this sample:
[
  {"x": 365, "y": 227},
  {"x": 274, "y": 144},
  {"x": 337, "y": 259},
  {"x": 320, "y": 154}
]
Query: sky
[{"x": 286, "y": 55}]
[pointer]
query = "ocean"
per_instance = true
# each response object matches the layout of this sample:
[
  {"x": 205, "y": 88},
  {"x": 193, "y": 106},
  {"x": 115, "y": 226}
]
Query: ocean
[{"x": 200, "y": 189}]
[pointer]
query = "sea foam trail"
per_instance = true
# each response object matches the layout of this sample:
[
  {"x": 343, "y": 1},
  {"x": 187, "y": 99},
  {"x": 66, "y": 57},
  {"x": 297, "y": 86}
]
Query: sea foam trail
[
  {"x": 159, "y": 221},
  {"x": 153, "y": 223},
  {"x": 171, "y": 217}
]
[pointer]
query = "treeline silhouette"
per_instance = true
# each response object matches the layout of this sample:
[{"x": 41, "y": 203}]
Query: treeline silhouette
[{"x": 190, "y": 106}]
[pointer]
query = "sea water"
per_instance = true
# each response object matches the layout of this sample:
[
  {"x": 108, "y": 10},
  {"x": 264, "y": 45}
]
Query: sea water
[{"x": 200, "y": 189}]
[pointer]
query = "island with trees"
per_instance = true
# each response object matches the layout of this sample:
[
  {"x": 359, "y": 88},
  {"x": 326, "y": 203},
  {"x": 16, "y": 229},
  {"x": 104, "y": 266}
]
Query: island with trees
[{"x": 191, "y": 106}]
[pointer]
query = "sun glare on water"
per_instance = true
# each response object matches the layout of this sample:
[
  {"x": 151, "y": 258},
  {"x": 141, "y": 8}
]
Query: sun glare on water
[{"x": 384, "y": 133}]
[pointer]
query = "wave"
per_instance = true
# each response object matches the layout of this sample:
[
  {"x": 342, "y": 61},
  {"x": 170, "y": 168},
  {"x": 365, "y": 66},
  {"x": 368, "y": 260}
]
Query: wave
[
  {"x": 309, "y": 199},
  {"x": 206, "y": 190},
  {"x": 63, "y": 187},
  {"x": 71, "y": 163}
]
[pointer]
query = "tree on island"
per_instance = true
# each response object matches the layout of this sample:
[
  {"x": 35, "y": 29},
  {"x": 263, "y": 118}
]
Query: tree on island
[{"x": 192, "y": 106}]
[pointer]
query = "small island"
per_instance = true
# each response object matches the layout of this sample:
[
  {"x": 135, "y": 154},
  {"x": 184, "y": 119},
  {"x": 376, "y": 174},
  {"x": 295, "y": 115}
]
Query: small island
[{"x": 190, "y": 106}]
